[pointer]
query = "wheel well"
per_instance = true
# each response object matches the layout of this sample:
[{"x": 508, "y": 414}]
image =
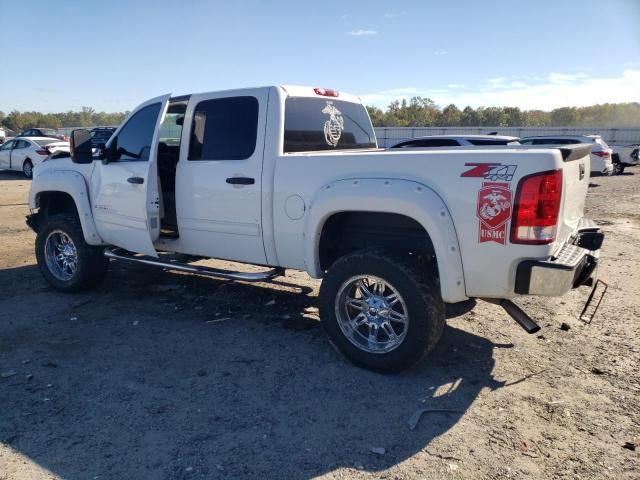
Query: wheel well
[
  {"x": 346, "y": 232},
  {"x": 52, "y": 203}
]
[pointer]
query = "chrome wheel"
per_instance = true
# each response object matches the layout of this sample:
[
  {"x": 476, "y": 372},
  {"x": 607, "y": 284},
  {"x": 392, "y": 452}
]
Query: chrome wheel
[
  {"x": 61, "y": 255},
  {"x": 372, "y": 314}
]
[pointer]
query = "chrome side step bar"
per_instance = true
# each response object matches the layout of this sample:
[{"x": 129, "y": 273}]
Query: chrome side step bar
[{"x": 121, "y": 254}]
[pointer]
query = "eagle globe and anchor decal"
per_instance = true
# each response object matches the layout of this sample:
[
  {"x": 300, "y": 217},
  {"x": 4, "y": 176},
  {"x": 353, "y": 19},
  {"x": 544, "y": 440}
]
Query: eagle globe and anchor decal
[
  {"x": 334, "y": 126},
  {"x": 494, "y": 211}
]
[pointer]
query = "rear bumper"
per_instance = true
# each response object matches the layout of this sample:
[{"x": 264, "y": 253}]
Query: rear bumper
[{"x": 574, "y": 265}]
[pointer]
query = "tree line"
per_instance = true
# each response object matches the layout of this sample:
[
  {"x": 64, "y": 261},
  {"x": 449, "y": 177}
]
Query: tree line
[
  {"x": 86, "y": 117},
  {"x": 424, "y": 112},
  {"x": 416, "y": 112}
]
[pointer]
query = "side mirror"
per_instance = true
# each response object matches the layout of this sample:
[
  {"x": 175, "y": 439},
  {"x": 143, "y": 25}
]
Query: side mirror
[{"x": 81, "y": 149}]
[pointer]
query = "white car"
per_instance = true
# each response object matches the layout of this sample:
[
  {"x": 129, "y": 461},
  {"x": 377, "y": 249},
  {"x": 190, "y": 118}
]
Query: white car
[
  {"x": 431, "y": 141},
  {"x": 291, "y": 177},
  {"x": 601, "y": 160},
  {"x": 25, "y": 153},
  {"x": 625, "y": 156}
]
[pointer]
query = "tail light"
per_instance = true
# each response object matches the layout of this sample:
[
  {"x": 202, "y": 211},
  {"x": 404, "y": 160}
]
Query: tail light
[
  {"x": 42, "y": 151},
  {"x": 325, "y": 92},
  {"x": 535, "y": 214},
  {"x": 602, "y": 154}
]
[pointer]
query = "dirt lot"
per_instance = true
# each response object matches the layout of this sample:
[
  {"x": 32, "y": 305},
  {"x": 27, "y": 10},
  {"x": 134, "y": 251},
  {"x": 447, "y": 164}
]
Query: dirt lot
[{"x": 157, "y": 375}]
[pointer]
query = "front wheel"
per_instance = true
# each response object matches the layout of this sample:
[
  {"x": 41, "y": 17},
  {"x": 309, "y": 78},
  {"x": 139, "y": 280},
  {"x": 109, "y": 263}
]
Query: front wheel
[
  {"x": 618, "y": 168},
  {"x": 66, "y": 261},
  {"x": 383, "y": 310}
]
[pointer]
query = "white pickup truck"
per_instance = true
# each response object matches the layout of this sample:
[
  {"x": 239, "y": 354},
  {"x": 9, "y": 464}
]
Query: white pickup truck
[{"x": 291, "y": 177}]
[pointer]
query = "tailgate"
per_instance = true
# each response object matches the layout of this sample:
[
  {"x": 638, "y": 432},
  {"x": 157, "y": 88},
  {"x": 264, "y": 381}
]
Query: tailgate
[{"x": 575, "y": 173}]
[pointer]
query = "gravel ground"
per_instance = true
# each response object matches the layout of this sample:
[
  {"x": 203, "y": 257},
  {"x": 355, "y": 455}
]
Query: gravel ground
[{"x": 159, "y": 375}]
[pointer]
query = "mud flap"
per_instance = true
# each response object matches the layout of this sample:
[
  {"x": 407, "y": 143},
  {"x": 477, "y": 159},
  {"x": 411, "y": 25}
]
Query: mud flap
[{"x": 588, "y": 317}]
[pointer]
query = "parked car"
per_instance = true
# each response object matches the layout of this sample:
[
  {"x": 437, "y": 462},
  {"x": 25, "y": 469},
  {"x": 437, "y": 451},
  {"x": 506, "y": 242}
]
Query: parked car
[
  {"x": 625, "y": 156},
  {"x": 25, "y": 153},
  {"x": 431, "y": 141},
  {"x": 601, "y": 161},
  {"x": 44, "y": 132},
  {"x": 101, "y": 135},
  {"x": 6, "y": 134},
  {"x": 291, "y": 177}
]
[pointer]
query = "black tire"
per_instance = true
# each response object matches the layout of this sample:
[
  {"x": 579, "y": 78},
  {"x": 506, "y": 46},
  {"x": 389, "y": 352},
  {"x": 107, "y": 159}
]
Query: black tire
[
  {"x": 27, "y": 168},
  {"x": 417, "y": 284},
  {"x": 90, "y": 266},
  {"x": 618, "y": 169}
]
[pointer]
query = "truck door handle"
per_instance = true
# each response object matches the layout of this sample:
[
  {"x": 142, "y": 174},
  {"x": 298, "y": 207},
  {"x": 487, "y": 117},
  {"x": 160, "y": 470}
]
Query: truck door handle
[
  {"x": 241, "y": 180},
  {"x": 136, "y": 180}
]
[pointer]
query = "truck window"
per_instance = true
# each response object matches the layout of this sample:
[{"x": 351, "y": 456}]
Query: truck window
[
  {"x": 133, "y": 143},
  {"x": 224, "y": 129},
  {"x": 315, "y": 124}
]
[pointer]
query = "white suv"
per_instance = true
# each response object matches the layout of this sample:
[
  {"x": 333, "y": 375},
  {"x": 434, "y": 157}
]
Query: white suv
[
  {"x": 601, "y": 161},
  {"x": 431, "y": 141}
]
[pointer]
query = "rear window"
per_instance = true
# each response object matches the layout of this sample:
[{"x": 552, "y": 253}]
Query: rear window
[
  {"x": 316, "y": 124},
  {"x": 601, "y": 142},
  {"x": 493, "y": 142},
  {"x": 555, "y": 141},
  {"x": 42, "y": 143},
  {"x": 430, "y": 142},
  {"x": 48, "y": 131}
]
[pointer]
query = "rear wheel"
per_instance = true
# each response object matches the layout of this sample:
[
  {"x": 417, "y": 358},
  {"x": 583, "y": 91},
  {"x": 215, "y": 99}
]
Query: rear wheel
[
  {"x": 27, "y": 168},
  {"x": 66, "y": 261},
  {"x": 383, "y": 310}
]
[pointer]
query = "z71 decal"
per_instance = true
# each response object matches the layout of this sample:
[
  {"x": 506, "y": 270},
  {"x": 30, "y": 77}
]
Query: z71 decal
[
  {"x": 495, "y": 172},
  {"x": 494, "y": 212}
]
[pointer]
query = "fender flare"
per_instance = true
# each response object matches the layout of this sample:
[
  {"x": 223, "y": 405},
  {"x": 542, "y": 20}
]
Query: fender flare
[
  {"x": 390, "y": 195},
  {"x": 73, "y": 184}
]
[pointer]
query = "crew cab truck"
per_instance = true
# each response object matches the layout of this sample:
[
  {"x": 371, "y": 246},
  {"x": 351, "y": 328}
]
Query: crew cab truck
[{"x": 291, "y": 177}]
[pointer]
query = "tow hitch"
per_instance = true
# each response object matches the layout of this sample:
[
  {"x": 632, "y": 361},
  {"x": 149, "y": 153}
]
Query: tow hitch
[{"x": 525, "y": 321}]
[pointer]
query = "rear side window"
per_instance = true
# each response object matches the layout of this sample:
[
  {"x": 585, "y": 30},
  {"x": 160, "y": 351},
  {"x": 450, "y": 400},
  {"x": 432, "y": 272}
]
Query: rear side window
[
  {"x": 429, "y": 142},
  {"x": 317, "y": 124},
  {"x": 224, "y": 129}
]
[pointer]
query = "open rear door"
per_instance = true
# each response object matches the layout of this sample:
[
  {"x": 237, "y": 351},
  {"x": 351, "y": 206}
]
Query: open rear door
[{"x": 126, "y": 203}]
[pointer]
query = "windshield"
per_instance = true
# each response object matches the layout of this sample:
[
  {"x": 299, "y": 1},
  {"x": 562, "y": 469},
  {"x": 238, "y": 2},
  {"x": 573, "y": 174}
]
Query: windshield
[
  {"x": 48, "y": 131},
  {"x": 317, "y": 124}
]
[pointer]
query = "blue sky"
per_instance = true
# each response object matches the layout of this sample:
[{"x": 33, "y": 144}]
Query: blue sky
[{"x": 112, "y": 55}]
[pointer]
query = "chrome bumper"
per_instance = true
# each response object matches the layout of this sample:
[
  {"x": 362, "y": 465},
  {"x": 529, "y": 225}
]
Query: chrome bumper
[{"x": 573, "y": 266}]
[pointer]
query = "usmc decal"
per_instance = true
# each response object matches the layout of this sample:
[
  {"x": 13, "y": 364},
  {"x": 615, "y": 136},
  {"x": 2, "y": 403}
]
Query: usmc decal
[
  {"x": 494, "y": 211},
  {"x": 334, "y": 126}
]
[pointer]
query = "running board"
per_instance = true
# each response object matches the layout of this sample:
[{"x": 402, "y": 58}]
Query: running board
[{"x": 121, "y": 254}]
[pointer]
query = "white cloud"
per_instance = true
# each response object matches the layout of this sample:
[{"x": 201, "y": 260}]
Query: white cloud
[
  {"x": 545, "y": 93},
  {"x": 457, "y": 85},
  {"x": 566, "y": 77},
  {"x": 394, "y": 14},
  {"x": 361, "y": 32},
  {"x": 440, "y": 52}
]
